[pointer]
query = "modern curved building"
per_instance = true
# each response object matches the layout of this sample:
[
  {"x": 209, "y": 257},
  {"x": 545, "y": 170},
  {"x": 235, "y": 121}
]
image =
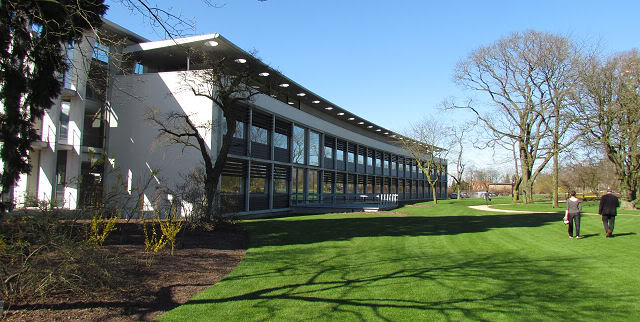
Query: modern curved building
[{"x": 292, "y": 149}]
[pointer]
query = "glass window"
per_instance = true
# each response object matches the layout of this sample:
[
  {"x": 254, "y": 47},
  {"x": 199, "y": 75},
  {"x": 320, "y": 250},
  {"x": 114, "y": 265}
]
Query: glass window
[
  {"x": 258, "y": 185},
  {"x": 298, "y": 184},
  {"x": 280, "y": 186},
  {"x": 231, "y": 184},
  {"x": 340, "y": 155},
  {"x": 280, "y": 141},
  {"x": 369, "y": 161},
  {"x": 138, "y": 69},
  {"x": 313, "y": 184},
  {"x": 350, "y": 157},
  {"x": 259, "y": 135},
  {"x": 327, "y": 186},
  {"x": 360, "y": 159},
  {"x": 101, "y": 52},
  {"x": 298, "y": 145},
  {"x": 328, "y": 152},
  {"x": 393, "y": 165},
  {"x": 351, "y": 188},
  {"x": 340, "y": 184},
  {"x": 314, "y": 148},
  {"x": 61, "y": 167}
]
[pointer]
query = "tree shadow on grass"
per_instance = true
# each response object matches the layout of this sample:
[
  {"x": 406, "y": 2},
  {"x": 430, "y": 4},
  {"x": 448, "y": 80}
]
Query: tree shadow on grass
[
  {"x": 517, "y": 288},
  {"x": 306, "y": 230}
]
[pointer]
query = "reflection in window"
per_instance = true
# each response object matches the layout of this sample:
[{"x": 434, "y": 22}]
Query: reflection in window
[
  {"x": 351, "y": 188},
  {"x": 327, "y": 186},
  {"x": 298, "y": 184},
  {"x": 298, "y": 145},
  {"x": 313, "y": 184},
  {"x": 314, "y": 148},
  {"x": 350, "y": 157},
  {"x": 259, "y": 135},
  {"x": 340, "y": 182},
  {"x": 328, "y": 152},
  {"x": 339, "y": 154},
  {"x": 280, "y": 186},
  {"x": 369, "y": 161},
  {"x": 101, "y": 52},
  {"x": 258, "y": 185},
  {"x": 280, "y": 141},
  {"x": 231, "y": 184}
]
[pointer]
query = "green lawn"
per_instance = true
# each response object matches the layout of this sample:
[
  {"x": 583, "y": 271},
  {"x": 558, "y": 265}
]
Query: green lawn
[{"x": 447, "y": 263}]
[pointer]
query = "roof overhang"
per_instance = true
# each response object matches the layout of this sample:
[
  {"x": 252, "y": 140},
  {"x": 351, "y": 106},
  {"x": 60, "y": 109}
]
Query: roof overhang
[{"x": 173, "y": 55}]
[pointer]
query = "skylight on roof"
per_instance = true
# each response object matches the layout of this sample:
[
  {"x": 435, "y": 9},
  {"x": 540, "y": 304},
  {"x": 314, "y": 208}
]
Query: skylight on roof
[
  {"x": 328, "y": 108},
  {"x": 351, "y": 118},
  {"x": 240, "y": 60},
  {"x": 284, "y": 85},
  {"x": 265, "y": 74},
  {"x": 341, "y": 113},
  {"x": 211, "y": 43},
  {"x": 315, "y": 102},
  {"x": 301, "y": 94}
]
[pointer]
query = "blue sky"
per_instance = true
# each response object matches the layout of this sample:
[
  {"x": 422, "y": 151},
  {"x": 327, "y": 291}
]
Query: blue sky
[{"x": 390, "y": 61}]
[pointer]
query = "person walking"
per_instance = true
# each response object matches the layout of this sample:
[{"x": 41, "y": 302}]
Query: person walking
[
  {"x": 574, "y": 207},
  {"x": 608, "y": 210}
]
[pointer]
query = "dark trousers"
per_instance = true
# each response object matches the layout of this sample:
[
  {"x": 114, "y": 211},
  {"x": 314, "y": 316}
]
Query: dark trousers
[
  {"x": 574, "y": 219},
  {"x": 607, "y": 222}
]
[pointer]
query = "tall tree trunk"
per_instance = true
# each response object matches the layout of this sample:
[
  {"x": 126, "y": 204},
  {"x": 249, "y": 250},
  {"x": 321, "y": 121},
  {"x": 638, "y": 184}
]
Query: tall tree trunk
[
  {"x": 214, "y": 172},
  {"x": 433, "y": 190},
  {"x": 556, "y": 174}
]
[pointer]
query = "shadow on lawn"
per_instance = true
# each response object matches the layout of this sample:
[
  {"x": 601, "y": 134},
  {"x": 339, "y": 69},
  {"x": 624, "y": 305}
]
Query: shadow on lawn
[
  {"x": 487, "y": 287},
  {"x": 307, "y": 230}
]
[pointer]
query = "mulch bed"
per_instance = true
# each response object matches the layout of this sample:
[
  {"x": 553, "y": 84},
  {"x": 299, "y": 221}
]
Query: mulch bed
[{"x": 147, "y": 291}]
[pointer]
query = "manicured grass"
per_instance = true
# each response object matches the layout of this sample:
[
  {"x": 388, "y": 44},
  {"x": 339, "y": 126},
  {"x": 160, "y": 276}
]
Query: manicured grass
[{"x": 446, "y": 263}]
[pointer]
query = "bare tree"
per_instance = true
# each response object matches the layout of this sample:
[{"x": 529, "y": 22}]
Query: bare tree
[
  {"x": 609, "y": 106},
  {"x": 458, "y": 136},
  {"x": 518, "y": 74},
  {"x": 426, "y": 141},
  {"x": 227, "y": 84}
]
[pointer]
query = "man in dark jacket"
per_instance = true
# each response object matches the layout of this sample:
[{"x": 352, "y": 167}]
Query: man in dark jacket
[{"x": 608, "y": 211}]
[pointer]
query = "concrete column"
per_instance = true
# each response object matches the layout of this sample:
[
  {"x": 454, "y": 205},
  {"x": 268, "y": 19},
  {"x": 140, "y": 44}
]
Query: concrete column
[
  {"x": 247, "y": 183},
  {"x": 248, "y": 131}
]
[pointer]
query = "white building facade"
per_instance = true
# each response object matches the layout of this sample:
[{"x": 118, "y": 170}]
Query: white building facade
[{"x": 292, "y": 149}]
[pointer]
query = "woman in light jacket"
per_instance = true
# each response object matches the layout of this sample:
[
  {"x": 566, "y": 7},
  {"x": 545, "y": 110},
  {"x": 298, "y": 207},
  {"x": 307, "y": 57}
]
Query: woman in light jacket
[{"x": 574, "y": 207}]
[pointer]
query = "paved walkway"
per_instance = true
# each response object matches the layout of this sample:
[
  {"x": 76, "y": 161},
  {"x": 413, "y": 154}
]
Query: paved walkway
[{"x": 488, "y": 208}]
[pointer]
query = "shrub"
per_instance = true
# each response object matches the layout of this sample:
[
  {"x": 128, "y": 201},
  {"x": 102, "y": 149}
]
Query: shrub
[
  {"x": 170, "y": 228},
  {"x": 100, "y": 229},
  {"x": 42, "y": 256}
]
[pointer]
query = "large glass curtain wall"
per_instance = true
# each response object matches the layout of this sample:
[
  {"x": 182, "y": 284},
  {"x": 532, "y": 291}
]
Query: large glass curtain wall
[{"x": 275, "y": 163}]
